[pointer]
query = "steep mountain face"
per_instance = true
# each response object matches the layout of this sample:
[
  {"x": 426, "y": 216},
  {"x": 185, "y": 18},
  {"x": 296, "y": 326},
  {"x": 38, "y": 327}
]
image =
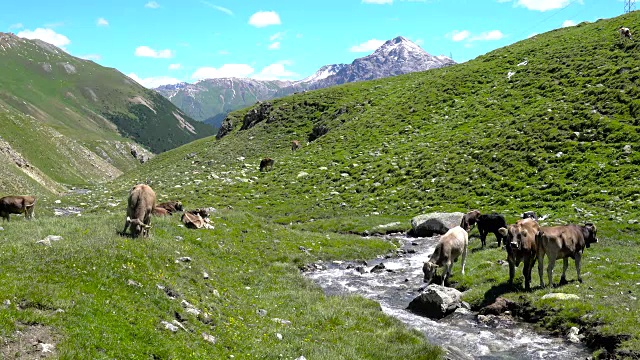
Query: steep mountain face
[
  {"x": 211, "y": 100},
  {"x": 68, "y": 121}
]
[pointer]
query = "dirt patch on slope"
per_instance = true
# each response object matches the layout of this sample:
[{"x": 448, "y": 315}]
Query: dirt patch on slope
[
  {"x": 142, "y": 101},
  {"x": 184, "y": 124},
  {"x": 30, "y": 342}
]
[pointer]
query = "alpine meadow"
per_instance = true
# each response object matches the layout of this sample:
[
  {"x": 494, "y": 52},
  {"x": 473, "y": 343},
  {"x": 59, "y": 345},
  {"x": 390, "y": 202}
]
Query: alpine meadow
[{"x": 548, "y": 124}]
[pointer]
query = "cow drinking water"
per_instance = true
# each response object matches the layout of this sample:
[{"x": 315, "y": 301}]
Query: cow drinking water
[{"x": 452, "y": 244}]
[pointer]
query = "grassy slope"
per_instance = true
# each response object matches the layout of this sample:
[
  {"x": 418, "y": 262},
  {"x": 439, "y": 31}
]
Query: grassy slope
[
  {"x": 58, "y": 109},
  {"x": 550, "y": 139}
]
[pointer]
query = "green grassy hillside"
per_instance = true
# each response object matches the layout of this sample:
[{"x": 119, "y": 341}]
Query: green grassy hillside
[
  {"x": 559, "y": 136},
  {"x": 74, "y": 120}
]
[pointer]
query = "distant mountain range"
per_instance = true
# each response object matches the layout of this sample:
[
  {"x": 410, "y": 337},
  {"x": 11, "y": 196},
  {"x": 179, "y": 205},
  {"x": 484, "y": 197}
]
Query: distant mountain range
[
  {"x": 210, "y": 100},
  {"x": 68, "y": 121}
]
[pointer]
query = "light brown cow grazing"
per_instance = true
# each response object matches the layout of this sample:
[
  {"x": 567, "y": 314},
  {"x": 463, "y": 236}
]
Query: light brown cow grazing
[
  {"x": 452, "y": 244},
  {"x": 522, "y": 247},
  {"x": 171, "y": 206},
  {"x": 142, "y": 201},
  {"x": 469, "y": 220},
  {"x": 625, "y": 33},
  {"x": 564, "y": 242},
  {"x": 295, "y": 145},
  {"x": 17, "y": 205},
  {"x": 266, "y": 164}
]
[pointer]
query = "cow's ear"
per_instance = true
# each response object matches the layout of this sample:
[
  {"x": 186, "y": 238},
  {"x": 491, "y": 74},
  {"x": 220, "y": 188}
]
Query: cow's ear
[{"x": 503, "y": 231}]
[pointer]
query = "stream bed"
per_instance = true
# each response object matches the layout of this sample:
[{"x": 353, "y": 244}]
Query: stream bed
[{"x": 460, "y": 333}]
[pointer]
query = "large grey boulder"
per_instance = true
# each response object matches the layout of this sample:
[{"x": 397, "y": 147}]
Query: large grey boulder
[
  {"x": 436, "y": 223},
  {"x": 436, "y": 302}
]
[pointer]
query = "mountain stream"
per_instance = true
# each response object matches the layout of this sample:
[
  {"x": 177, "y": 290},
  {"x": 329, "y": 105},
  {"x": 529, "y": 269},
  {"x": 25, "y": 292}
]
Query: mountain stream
[{"x": 461, "y": 334}]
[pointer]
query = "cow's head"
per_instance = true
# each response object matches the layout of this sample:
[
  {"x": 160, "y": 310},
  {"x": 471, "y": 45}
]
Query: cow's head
[
  {"x": 522, "y": 232},
  {"x": 589, "y": 232},
  {"x": 179, "y": 206},
  {"x": 429, "y": 270},
  {"x": 138, "y": 227}
]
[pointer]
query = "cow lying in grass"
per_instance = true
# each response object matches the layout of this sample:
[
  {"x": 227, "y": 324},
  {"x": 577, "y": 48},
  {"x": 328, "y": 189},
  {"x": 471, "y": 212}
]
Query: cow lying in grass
[
  {"x": 17, "y": 205},
  {"x": 564, "y": 242},
  {"x": 196, "y": 219},
  {"x": 171, "y": 206},
  {"x": 142, "y": 201},
  {"x": 452, "y": 244}
]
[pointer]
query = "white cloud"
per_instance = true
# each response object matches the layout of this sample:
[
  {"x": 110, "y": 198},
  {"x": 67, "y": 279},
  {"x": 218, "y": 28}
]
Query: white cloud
[
  {"x": 46, "y": 35},
  {"x": 264, "y": 18},
  {"x": 488, "y": 36},
  {"x": 419, "y": 42},
  {"x": 568, "y": 23},
  {"x": 94, "y": 57},
  {"x": 145, "y": 51},
  {"x": 152, "y": 5},
  {"x": 456, "y": 35},
  {"x": 102, "y": 22},
  {"x": 175, "y": 66},
  {"x": 275, "y": 71},
  {"x": 224, "y": 52},
  {"x": 275, "y": 46},
  {"x": 531, "y": 35},
  {"x": 16, "y": 26},
  {"x": 219, "y": 8},
  {"x": 377, "y": 1},
  {"x": 154, "y": 82},
  {"x": 545, "y": 5},
  {"x": 276, "y": 36},
  {"x": 369, "y": 45},
  {"x": 225, "y": 71}
]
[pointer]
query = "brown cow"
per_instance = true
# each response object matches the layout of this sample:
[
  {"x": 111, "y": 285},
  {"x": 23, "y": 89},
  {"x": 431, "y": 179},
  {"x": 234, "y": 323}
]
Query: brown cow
[
  {"x": 452, "y": 244},
  {"x": 142, "y": 201},
  {"x": 171, "y": 206},
  {"x": 17, "y": 205},
  {"x": 469, "y": 220},
  {"x": 295, "y": 145},
  {"x": 564, "y": 242},
  {"x": 266, "y": 164},
  {"x": 522, "y": 247},
  {"x": 625, "y": 33}
]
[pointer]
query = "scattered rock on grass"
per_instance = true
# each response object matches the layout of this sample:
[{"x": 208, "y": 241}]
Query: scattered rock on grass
[
  {"x": 209, "y": 338},
  {"x": 561, "y": 296}
]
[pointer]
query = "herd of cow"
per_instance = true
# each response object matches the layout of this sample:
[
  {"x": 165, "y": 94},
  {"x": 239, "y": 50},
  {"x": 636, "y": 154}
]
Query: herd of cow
[
  {"x": 525, "y": 241},
  {"x": 141, "y": 205}
]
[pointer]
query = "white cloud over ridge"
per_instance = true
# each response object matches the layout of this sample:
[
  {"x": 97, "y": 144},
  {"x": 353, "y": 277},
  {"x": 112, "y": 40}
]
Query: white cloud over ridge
[
  {"x": 145, "y": 51},
  {"x": 152, "y": 5},
  {"x": 46, "y": 35},
  {"x": 367, "y": 46},
  {"x": 154, "y": 82},
  {"x": 93, "y": 57},
  {"x": 568, "y": 23},
  {"x": 276, "y": 71},
  {"x": 264, "y": 18},
  {"x": 466, "y": 35},
  {"x": 542, "y": 5}
]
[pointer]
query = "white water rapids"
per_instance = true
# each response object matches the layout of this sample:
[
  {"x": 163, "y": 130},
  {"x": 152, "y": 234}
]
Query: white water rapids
[{"x": 460, "y": 333}]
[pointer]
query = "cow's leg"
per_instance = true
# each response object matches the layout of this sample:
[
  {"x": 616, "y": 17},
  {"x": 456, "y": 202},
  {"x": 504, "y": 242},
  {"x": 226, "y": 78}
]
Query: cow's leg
[
  {"x": 464, "y": 257},
  {"x": 565, "y": 266},
  {"x": 552, "y": 264},
  {"x": 483, "y": 236},
  {"x": 578, "y": 260},
  {"x": 512, "y": 271},
  {"x": 498, "y": 237},
  {"x": 540, "y": 267},
  {"x": 447, "y": 271},
  {"x": 526, "y": 272}
]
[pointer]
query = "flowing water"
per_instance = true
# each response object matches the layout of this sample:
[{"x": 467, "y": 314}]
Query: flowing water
[{"x": 460, "y": 333}]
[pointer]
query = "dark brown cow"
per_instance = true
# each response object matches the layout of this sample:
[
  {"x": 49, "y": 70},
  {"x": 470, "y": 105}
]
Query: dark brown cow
[
  {"x": 171, "y": 206},
  {"x": 521, "y": 244},
  {"x": 17, "y": 205},
  {"x": 469, "y": 220},
  {"x": 142, "y": 201},
  {"x": 295, "y": 145},
  {"x": 491, "y": 223},
  {"x": 266, "y": 164},
  {"x": 564, "y": 242}
]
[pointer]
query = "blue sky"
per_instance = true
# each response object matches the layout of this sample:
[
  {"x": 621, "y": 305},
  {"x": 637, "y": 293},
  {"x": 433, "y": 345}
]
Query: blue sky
[{"x": 166, "y": 41}]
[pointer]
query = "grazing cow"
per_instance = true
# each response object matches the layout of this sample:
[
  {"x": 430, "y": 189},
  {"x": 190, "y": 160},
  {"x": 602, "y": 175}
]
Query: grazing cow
[
  {"x": 625, "y": 33},
  {"x": 491, "y": 223},
  {"x": 295, "y": 145},
  {"x": 266, "y": 164},
  {"x": 469, "y": 220},
  {"x": 171, "y": 206},
  {"x": 564, "y": 242},
  {"x": 142, "y": 201},
  {"x": 530, "y": 215},
  {"x": 17, "y": 205},
  {"x": 521, "y": 244},
  {"x": 194, "y": 219},
  {"x": 452, "y": 244}
]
